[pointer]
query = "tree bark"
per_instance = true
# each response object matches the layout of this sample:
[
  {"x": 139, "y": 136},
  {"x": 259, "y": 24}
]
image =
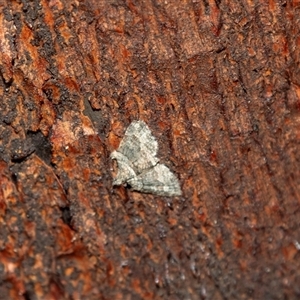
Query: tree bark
[{"x": 218, "y": 84}]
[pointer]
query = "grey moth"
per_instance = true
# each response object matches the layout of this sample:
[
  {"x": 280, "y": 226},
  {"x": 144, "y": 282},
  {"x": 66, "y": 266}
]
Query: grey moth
[{"x": 138, "y": 166}]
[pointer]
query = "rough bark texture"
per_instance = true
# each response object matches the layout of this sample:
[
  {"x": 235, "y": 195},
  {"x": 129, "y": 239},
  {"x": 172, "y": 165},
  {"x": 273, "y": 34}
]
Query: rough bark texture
[{"x": 218, "y": 83}]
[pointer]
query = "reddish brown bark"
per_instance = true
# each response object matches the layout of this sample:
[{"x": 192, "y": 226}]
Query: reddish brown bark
[{"x": 217, "y": 82}]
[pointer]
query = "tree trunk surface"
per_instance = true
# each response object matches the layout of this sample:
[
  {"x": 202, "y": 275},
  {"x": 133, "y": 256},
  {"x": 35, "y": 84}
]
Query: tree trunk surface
[{"x": 218, "y": 84}]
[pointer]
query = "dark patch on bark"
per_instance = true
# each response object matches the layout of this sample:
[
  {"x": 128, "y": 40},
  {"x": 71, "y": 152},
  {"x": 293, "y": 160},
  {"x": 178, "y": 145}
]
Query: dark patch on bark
[{"x": 41, "y": 145}]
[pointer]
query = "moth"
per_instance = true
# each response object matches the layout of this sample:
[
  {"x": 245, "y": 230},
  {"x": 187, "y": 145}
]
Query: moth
[{"x": 138, "y": 166}]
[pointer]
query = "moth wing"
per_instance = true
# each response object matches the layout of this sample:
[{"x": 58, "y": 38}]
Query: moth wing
[
  {"x": 125, "y": 171},
  {"x": 158, "y": 180},
  {"x": 139, "y": 146}
]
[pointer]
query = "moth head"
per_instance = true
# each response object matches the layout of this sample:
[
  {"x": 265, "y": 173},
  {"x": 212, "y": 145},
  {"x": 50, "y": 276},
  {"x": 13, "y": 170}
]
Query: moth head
[{"x": 135, "y": 184}]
